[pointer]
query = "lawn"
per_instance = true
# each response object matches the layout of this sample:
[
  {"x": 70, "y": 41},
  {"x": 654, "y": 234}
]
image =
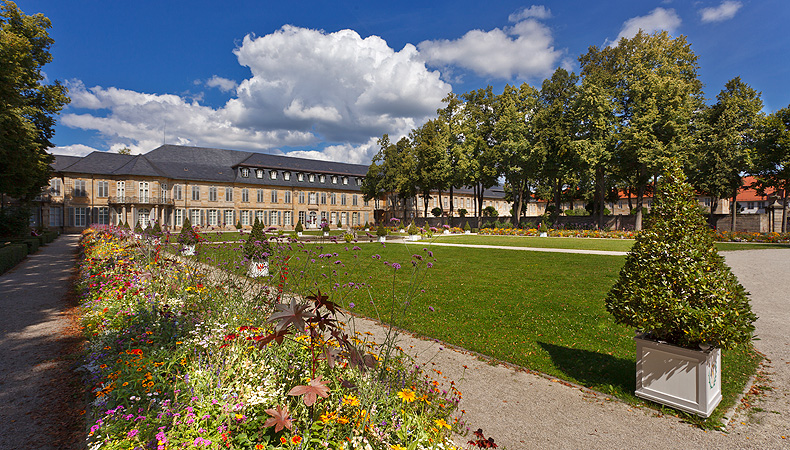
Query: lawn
[
  {"x": 543, "y": 311},
  {"x": 618, "y": 245}
]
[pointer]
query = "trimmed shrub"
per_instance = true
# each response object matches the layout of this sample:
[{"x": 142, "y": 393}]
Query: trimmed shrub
[
  {"x": 11, "y": 255},
  {"x": 381, "y": 231},
  {"x": 467, "y": 227},
  {"x": 674, "y": 284},
  {"x": 257, "y": 246},
  {"x": 299, "y": 228},
  {"x": 413, "y": 229},
  {"x": 187, "y": 236}
]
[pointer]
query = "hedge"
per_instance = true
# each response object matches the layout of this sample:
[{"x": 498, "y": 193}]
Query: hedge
[{"x": 11, "y": 255}]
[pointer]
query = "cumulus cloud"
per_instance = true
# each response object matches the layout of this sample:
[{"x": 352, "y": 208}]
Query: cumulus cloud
[
  {"x": 355, "y": 154},
  {"x": 657, "y": 20},
  {"x": 306, "y": 86},
  {"x": 524, "y": 50},
  {"x": 536, "y": 11},
  {"x": 72, "y": 150},
  {"x": 223, "y": 84},
  {"x": 725, "y": 11}
]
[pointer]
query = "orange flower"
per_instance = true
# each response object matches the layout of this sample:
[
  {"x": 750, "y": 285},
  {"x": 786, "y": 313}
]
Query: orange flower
[{"x": 296, "y": 440}]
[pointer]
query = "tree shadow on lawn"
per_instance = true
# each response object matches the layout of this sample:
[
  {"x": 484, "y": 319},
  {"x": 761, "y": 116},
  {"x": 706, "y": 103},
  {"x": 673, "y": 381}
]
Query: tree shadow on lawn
[{"x": 598, "y": 371}]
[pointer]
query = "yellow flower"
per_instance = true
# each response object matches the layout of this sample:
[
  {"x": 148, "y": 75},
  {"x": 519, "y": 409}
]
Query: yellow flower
[
  {"x": 441, "y": 423},
  {"x": 342, "y": 419},
  {"x": 350, "y": 400},
  {"x": 397, "y": 447},
  {"x": 407, "y": 395}
]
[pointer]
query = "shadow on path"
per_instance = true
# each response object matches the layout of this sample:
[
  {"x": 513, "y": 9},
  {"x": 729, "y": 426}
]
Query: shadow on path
[{"x": 594, "y": 369}]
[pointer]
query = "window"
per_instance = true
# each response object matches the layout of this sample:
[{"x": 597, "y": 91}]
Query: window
[
  {"x": 228, "y": 194},
  {"x": 80, "y": 216},
  {"x": 54, "y": 186},
  {"x": 103, "y": 215},
  {"x": 343, "y": 217},
  {"x": 333, "y": 217},
  {"x": 163, "y": 189},
  {"x": 229, "y": 217},
  {"x": 212, "y": 194},
  {"x": 313, "y": 198},
  {"x": 302, "y": 217},
  {"x": 260, "y": 196},
  {"x": 194, "y": 218},
  {"x": 245, "y": 195},
  {"x": 287, "y": 218},
  {"x": 287, "y": 196},
  {"x": 354, "y": 219},
  {"x": 286, "y": 176},
  {"x": 212, "y": 217},
  {"x": 274, "y": 195},
  {"x": 195, "y": 194},
  {"x": 342, "y": 199},
  {"x": 178, "y": 193},
  {"x": 301, "y": 197},
  {"x": 366, "y": 204},
  {"x": 259, "y": 216},
  {"x": 55, "y": 216},
  {"x": 179, "y": 217},
  {"x": 334, "y": 179},
  {"x": 259, "y": 173},
  {"x": 311, "y": 178},
  {"x": 322, "y": 178},
  {"x": 245, "y": 172},
  {"x": 345, "y": 180},
  {"x": 272, "y": 174},
  {"x": 245, "y": 217},
  {"x": 79, "y": 190},
  {"x": 332, "y": 199},
  {"x": 354, "y": 200},
  {"x": 299, "y": 177},
  {"x": 323, "y": 198},
  {"x": 143, "y": 192},
  {"x": 359, "y": 181},
  {"x": 102, "y": 188}
]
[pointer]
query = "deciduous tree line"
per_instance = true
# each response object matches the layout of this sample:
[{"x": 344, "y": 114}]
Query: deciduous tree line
[{"x": 610, "y": 129}]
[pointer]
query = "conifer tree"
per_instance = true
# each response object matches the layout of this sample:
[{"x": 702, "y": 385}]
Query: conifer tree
[
  {"x": 257, "y": 246},
  {"x": 674, "y": 284}
]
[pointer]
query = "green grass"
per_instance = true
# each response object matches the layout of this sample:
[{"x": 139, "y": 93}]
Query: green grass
[
  {"x": 618, "y": 245},
  {"x": 542, "y": 311}
]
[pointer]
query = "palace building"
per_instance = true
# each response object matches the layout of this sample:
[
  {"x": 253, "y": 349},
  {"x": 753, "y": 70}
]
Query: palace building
[{"x": 215, "y": 188}]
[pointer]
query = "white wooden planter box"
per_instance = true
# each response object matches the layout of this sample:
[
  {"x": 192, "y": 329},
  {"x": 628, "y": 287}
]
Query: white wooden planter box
[
  {"x": 258, "y": 269},
  {"x": 446, "y": 232},
  {"x": 414, "y": 237},
  {"x": 188, "y": 250},
  {"x": 382, "y": 238},
  {"x": 544, "y": 234},
  {"x": 688, "y": 380},
  {"x": 326, "y": 234},
  {"x": 467, "y": 232},
  {"x": 299, "y": 233}
]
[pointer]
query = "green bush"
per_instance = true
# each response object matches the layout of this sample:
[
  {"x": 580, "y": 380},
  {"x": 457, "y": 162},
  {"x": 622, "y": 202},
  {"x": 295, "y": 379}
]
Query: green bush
[
  {"x": 490, "y": 211},
  {"x": 674, "y": 284},
  {"x": 238, "y": 224},
  {"x": 299, "y": 228},
  {"x": 11, "y": 255},
  {"x": 187, "y": 236},
  {"x": 436, "y": 212},
  {"x": 467, "y": 227},
  {"x": 463, "y": 212},
  {"x": 257, "y": 246},
  {"x": 325, "y": 227},
  {"x": 138, "y": 228},
  {"x": 413, "y": 229},
  {"x": 381, "y": 231}
]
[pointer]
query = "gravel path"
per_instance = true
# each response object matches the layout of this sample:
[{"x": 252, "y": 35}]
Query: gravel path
[{"x": 32, "y": 323}]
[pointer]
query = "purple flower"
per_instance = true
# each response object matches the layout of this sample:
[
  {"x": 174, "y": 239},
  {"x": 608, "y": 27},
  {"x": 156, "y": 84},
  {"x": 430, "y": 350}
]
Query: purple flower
[
  {"x": 431, "y": 308},
  {"x": 429, "y": 265},
  {"x": 132, "y": 433},
  {"x": 351, "y": 305},
  {"x": 395, "y": 266}
]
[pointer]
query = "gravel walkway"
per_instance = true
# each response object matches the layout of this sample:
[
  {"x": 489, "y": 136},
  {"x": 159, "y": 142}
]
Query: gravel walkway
[{"x": 32, "y": 323}]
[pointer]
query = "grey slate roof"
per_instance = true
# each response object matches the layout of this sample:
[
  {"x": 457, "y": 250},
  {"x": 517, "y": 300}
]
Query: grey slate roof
[{"x": 63, "y": 161}]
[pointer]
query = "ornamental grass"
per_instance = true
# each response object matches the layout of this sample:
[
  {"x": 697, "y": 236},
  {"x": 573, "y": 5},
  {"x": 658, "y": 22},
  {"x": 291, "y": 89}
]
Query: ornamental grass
[{"x": 182, "y": 356}]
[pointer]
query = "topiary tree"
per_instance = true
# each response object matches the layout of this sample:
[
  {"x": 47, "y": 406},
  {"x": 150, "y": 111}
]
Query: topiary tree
[
  {"x": 413, "y": 229},
  {"x": 325, "y": 227},
  {"x": 381, "y": 231},
  {"x": 156, "y": 230},
  {"x": 436, "y": 211},
  {"x": 467, "y": 227},
  {"x": 339, "y": 223},
  {"x": 675, "y": 285},
  {"x": 187, "y": 236},
  {"x": 257, "y": 246},
  {"x": 138, "y": 228},
  {"x": 238, "y": 224},
  {"x": 299, "y": 228},
  {"x": 463, "y": 212}
]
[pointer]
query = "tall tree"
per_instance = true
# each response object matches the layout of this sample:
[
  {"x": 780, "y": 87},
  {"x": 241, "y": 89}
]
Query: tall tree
[
  {"x": 457, "y": 163},
  {"x": 431, "y": 164},
  {"x": 653, "y": 81},
  {"x": 480, "y": 144},
  {"x": 728, "y": 135},
  {"x": 554, "y": 123},
  {"x": 772, "y": 159},
  {"x": 27, "y": 105},
  {"x": 520, "y": 156},
  {"x": 392, "y": 172}
]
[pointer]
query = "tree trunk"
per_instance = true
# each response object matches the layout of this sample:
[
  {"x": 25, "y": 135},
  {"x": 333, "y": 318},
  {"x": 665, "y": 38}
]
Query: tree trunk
[
  {"x": 784, "y": 211},
  {"x": 519, "y": 203},
  {"x": 599, "y": 188},
  {"x": 629, "y": 191},
  {"x": 734, "y": 209},
  {"x": 451, "y": 206},
  {"x": 640, "y": 197},
  {"x": 714, "y": 203},
  {"x": 479, "y": 198}
]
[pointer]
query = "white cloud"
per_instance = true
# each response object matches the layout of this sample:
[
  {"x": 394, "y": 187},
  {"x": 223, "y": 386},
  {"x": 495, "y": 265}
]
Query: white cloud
[
  {"x": 72, "y": 150},
  {"x": 536, "y": 11},
  {"x": 306, "y": 86},
  {"x": 524, "y": 50},
  {"x": 725, "y": 11},
  {"x": 657, "y": 20},
  {"x": 355, "y": 154},
  {"x": 223, "y": 84}
]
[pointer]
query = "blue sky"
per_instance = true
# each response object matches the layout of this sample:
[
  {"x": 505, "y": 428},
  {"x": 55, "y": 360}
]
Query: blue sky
[{"x": 325, "y": 79}]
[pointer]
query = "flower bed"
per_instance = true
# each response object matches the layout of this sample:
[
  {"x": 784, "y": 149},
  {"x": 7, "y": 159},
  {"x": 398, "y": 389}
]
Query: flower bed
[
  {"x": 740, "y": 236},
  {"x": 721, "y": 236},
  {"x": 176, "y": 360}
]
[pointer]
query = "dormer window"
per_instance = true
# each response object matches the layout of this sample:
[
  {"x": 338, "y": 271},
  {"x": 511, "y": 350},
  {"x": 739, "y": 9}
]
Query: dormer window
[
  {"x": 245, "y": 172},
  {"x": 300, "y": 176},
  {"x": 259, "y": 173},
  {"x": 286, "y": 176},
  {"x": 359, "y": 181},
  {"x": 334, "y": 179},
  {"x": 322, "y": 178},
  {"x": 345, "y": 180},
  {"x": 311, "y": 178},
  {"x": 272, "y": 174}
]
